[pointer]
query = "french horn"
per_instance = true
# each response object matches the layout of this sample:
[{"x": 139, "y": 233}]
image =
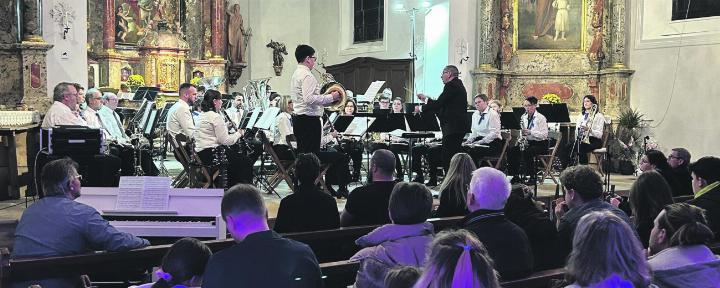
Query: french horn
[{"x": 329, "y": 86}]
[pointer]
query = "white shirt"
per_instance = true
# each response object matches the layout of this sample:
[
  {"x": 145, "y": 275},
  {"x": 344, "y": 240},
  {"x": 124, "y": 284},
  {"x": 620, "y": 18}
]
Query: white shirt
[
  {"x": 212, "y": 131},
  {"x": 180, "y": 120},
  {"x": 236, "y": 115},
  {"x": 283, "y": 128},
  {"x": 91, "y": 118},
  {"x": 488, "y": 128},
  {"x": 597, "y": 127},
  {"x": 110, "y": 121},
  {"x": 60, "y": 114},
  {"x": 538, "y": 128},
  {"x": 305, "y": 93}
]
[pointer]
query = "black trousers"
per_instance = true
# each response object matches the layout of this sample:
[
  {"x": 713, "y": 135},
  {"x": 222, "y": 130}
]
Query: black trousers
[
  {"x": 432, "y": 155},
  {"x": 514, "y": 155},
  {"x": 127, "y": 160},
  {"x": 354, "y": 150},
  {"x": 339, "y": 170},
  {"x": 451, "y": 145},
  {"x": 582, "y": 152},
  {"x": 239, "y": 168},
  {"x": 308, "y": 132},
  {"x": 494, "y": 148}
]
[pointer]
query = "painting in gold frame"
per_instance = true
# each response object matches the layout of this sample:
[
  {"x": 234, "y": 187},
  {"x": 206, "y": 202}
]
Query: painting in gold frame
[{"x": 549, "y": 25}]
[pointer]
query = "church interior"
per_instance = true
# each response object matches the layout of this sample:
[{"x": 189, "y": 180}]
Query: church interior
[{"x": 568, "y": 63}]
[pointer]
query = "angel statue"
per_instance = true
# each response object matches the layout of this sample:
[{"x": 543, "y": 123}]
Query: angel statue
[{"x": 278, "y": 50}]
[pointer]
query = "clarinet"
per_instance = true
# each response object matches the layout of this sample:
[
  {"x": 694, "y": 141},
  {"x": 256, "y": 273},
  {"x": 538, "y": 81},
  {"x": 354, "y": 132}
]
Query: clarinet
[{"x": 221, "y": 163}]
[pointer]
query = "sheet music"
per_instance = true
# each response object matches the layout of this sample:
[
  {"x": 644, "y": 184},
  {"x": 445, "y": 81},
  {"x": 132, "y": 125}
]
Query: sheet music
[
  {"x": 146, "y": 113},
  {"x": 268, "y": 118},
  {"x": 359, "y": 126},
  {"x": 150, "y": 121},
  {"x": 373, "y": 90},
  {"x": 397, "y": 133},
  {"x": 253, "y": 118},
  {"x": 333, "y": 117},
  {"x": 143, "y": 193}
]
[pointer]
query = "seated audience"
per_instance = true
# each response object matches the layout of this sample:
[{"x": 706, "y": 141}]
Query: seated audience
[
  {"x": 604, "y": 255},
  {"x": 57, "y": 225},
  {"x": 458, "y": 259},
  {"x": 522, "y": 210},
  {"x": 183, "y": 265},
  {"x": 679, "y": 256},
  {"x": 706, "y": 181},
  {"x": 261, "y": 257},
  {"x": 368, "y": 204},
  {"x": 583, "y": 194},
  {"x": 655, "y": 160},
  {"x": 455, "y": 186},
  {"x": 403, "y": 242},
  {"x": 308, "y": 208},
  {"x": 402, "y": 277},
  {"x": 679, "y": 159},
  {"x": 648, "y": 195},
  {"x": 507, "y": 243}
]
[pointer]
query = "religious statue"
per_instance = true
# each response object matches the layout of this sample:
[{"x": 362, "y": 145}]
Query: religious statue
[
  {"x": 278, "y": 50},
  {"x": 236, "y": 36}
]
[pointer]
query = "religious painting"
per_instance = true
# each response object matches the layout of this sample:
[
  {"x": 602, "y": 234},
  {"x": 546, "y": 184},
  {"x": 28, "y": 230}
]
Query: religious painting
[
  {"x": 125, "y": 74},
  {"x": 691, "y": 9},
  {"x": 134, "y": 18},
  {"x": 549, "y": 25}
]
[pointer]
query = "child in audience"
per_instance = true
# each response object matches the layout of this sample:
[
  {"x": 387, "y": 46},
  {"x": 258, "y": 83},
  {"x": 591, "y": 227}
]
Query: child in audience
[
  {"x": 183, "y": 265},
  {"x": 462, "y": 251},
  {"x": 402, "y": 277}
]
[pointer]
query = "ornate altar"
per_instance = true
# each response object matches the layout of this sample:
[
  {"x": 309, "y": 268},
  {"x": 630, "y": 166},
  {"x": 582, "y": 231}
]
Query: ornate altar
[{"x": 572, "y": 48}]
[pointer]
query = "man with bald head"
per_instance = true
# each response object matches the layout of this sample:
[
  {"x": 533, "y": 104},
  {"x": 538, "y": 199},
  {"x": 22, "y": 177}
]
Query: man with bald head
[{"x": 368, "y": 204}]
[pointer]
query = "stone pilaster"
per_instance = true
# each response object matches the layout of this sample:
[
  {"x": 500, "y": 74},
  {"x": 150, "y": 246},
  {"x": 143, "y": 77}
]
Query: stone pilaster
[
  {"x": 217, "y": 28},
  {"x": 487, "y": 26},
  {"x": 617, "y": 48},
  {"x": 109, "y": 25}
]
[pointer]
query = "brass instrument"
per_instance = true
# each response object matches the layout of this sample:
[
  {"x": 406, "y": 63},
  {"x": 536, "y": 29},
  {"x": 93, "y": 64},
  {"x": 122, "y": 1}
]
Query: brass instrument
[
  {"x": 588, "y": 124},
  {"x": 329, "y": 85},
  {"x": 523, "y": 141}
]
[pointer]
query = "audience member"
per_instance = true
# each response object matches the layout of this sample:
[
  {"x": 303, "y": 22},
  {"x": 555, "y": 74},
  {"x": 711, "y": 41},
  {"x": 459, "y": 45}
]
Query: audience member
[
  {"x": 57, "y": 225},
  {"x": 522, "y": 210},
  {"x": 261, "y": 257},
  {"x": 706, "y": 186},
  {"x": 655, "y": 160},
  {"x": 679, "y": 159},
  {"x": 183, "y": 265},
  {"x": 402, "y": 277},
  {"x": 454, "y": 187},
  {"x": 679, "y": 255},
  {"x": 583, "y": 194},
  {"x": 368, "y": 204},
  {"x": 458, "y": 259},
  {"x": 604, "y": 255},
  {"x": 648, "y": 195},
  {"x": 308, "y": 208},
  {"x": 403, "y": 242},
  {"x": 507, "y": 243}
]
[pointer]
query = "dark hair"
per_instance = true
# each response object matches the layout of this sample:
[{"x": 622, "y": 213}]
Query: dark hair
[
  {"x": 302, "y": 51},
  {"x": 55, "y": 176},
  {"x": 78, "y": 86},
  {"x": 273, "y": 95},
  {"x": 185, "y": 86},
  {"x": 648, "y": 195},
  {"x": 657, "y": 159},
  {"x": 532, "y": 99},
  {"x": 242, "y": 198},
  {"x": 184, "y": 260},
  {"x": 453, "y": 70},
  {"x": 60, "y": 89},
  {"x": 307, "y": 168},
  {"x": 410, "y": 203},
  {"x": 402, "y": 277},
  {"x": 707, "y": 168},
  {"x": 592, "y": 99},
  {"x": 350, "y": 101},
  {"x": 686, "y": 224},
  {"x": 683, "y": 154},
  {"x": 584, "y": 180},
  {"x": 481, "y": 96},
  {"x": 384, "y": 160},
  {"x": 208, "y": 98},
  {"x": 383, "y": 98}
]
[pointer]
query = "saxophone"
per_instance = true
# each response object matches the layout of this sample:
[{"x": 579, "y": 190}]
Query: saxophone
[
  {"x": 588, "y": 124},
  {"x": 523, "y": 141}
]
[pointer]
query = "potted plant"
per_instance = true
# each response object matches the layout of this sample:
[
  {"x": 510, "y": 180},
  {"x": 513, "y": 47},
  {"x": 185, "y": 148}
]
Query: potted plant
[
  {"x": 135, "y": 81},
  {"x": 627, "y": 143}
]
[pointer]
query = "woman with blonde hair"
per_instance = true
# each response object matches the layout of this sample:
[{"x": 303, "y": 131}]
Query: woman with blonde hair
[
  {"x": 454, "y": 188},
  {"x": 606, "y": 253},
  {"x": 462, "y": 251},
  {"x": 495, "y": 105}
]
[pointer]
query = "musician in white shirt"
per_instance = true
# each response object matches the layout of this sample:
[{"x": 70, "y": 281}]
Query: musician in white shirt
[
  {"x": 485, "y": 139},
  {"x": 212, "y": 134},
  {"x": 179, "y": 119},
  {"x": 283, "y": 136},
  {"x": 305, "y": 93},
  {"x": 535, "y": 131},
  {"x": 63, "y": 111},
  {"x": 586, "y": 123}
]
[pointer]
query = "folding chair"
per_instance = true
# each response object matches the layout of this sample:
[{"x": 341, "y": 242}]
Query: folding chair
[
  {"x": 198, "y": 175},
  {"x": 547, "y": 161},
  {"x": 600, "y": 154},
  {"x": 498, "y": 160},
  {"x": 284, "y": 167}
]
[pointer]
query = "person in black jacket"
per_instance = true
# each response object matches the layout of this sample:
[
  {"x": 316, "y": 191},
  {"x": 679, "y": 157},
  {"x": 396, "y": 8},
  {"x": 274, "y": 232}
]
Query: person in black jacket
[
  {"x": 678, "y": 160},
  {"x": 655, "y": 160},
  {"x": 450, "y": 108},
  {"x": 706, "y": 185}
]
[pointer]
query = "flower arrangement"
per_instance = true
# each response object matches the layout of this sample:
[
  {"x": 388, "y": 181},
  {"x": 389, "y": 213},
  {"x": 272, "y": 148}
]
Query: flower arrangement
[
  {"x": 195, "y": 80},
  {"x": 552, "y": 98},
  {"x": 135, "y": 81}
]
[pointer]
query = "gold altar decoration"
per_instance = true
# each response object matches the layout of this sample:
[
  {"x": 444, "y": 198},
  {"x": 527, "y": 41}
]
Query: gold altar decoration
[{"x": 163, "y": 56}]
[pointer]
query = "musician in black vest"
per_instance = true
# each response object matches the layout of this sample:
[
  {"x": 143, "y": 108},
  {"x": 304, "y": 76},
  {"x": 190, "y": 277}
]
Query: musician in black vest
[{"x": 450, "y": 107}]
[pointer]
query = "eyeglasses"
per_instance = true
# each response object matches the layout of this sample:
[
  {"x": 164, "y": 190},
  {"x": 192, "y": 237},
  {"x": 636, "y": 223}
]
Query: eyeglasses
[
  {"x": 673, "y": 157},
  {"x": 79, "y": 177},
  {"x": 313, "y": 57}
]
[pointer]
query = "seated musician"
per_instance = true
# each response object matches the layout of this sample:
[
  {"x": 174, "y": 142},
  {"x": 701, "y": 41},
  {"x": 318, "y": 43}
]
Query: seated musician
[
  {"x": 212, "y": 134},
  {"x": 237, "y": 110},
  {"x": 384, "y": 102},
  {"x": 350, "y": 145},
  {"x": 432, "y": 152},
  {"x": 485, "y": 139},
  {"x": 397, "y": 106},
  {"x": 388, "y": 142},
  {"x": 495, "y": 105},
  {"x": 179, "y": 118},
  {"x": 283, "y": 137},
  {"x": 330, "y": 152},
  {"x": 535, "y": 132},
  {"x": 57, "y": 225},
  {"x": 587, "y": 123}
]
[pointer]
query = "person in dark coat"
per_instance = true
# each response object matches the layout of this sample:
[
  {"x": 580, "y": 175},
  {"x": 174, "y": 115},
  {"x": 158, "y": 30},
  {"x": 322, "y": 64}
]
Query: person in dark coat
[
  {"x": 655, "y": 160},
  {"x": 706, "y": 185},
  {"x": 679, "y": 159}
]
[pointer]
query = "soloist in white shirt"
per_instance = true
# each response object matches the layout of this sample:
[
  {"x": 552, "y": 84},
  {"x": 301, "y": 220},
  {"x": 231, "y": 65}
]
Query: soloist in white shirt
[{"x": 305, "y": 93}]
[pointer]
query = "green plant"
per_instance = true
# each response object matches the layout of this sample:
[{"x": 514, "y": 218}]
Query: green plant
[{"x": 630, "y": 119}]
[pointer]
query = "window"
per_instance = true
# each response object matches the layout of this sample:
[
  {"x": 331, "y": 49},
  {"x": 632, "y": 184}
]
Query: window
[
  {"x": 689, "y": 9},
  {"x": 368, "y": 21}
]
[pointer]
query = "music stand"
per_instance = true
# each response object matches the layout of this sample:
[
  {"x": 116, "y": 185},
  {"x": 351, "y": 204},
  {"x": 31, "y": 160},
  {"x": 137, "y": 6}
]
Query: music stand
[
  {"x": 422, "y": 122},
  {"x": 509, "y": 120},
  {"x": 342, "y": 122},
  {"x": 149, "y": 93},
  {"x": 518, "y": 111},
  {"x": 555, "y": 113}
]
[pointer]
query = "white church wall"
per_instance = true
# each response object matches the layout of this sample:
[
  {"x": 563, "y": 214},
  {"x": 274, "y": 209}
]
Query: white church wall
[
  {"x": 461, "y": 39},
  {"x": 67, "y": 60},
  {"x": 675, "y": 83}
]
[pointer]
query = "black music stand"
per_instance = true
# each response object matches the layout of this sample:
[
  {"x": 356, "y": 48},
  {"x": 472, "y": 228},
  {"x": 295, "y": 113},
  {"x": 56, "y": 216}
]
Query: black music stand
[
  {"x": 260, "y": 177},
  {"x": 509, "y": 120},
  {"x": 149, "y": 93},
  {"x": 518, "y": 111},
  {"x": 342, "y": 122},
  {"x": 555, "y": 113},
  {"x": 422, "y": 122}
]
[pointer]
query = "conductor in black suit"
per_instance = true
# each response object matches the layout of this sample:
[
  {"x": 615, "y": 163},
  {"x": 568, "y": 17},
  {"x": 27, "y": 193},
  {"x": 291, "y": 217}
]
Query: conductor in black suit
[{"x": 450, "y": 107}]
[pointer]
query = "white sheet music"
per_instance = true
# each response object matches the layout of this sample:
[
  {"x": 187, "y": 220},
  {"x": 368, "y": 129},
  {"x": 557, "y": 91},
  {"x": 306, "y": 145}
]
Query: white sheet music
[
  {"x": 143, "y": 193},
  {"x": 372, "y": 91},
  {"x": 359, "y": 126},
  {"x": 333, "y": 117},
  {"x": 268, "y": 118},
  {"x": 253, "y": 118}
]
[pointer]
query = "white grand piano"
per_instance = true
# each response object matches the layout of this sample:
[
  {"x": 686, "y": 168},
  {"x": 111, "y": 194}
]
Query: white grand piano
[{"x": 190, "y": 213}]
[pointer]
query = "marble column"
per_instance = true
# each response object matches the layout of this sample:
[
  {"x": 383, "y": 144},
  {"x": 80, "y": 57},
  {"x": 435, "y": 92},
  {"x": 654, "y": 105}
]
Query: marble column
[
  {"x": 217, "y": 28},
  {"x": 617, "y": 48},
  {"x": 109, "y": 25},
  {"x": 486, "y": 26},
  {"x": 34, "y": 75}
]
